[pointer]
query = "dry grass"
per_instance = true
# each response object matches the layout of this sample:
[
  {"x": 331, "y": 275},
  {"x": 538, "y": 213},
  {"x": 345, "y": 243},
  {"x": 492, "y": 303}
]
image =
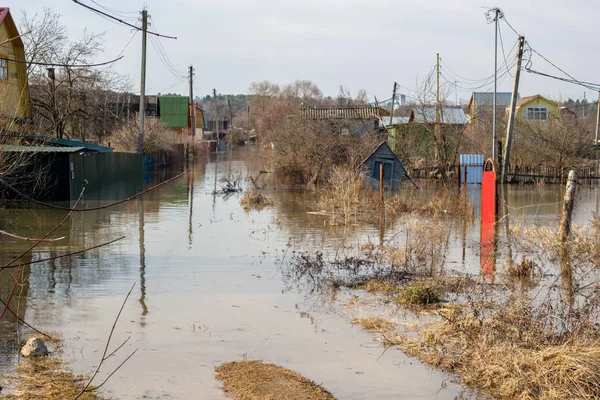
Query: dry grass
[
  {"x": 375, "y": 324},
  {"x": 419, "y": 293},
  {"x": 495, "y": 355},
  {"x": 254, "y": 199},
  {"x": 254, "y": 380},
  {"x": 380, "y": 287},
  {"x": 523, "y": 270},
  {"x": 46, "y": 378}
]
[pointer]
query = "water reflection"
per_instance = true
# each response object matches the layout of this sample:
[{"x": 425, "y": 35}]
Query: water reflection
[
  {"x": 142, "y": 261},
  {"x": 206, "y": 262}
]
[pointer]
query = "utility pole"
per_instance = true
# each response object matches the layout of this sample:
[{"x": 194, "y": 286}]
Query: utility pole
[
  {"x": 216, "y": 113},
  {"x": 143, "y": 83},
  {"x": 584, "y": 103},
  {"x": 456, "y": 94},
  {"x": 511, "y": 115},
  {"x": 393, "y": 102},
  {"x": 494, "y": 137},
  {"x": 437, "y": 105},
  {"x": 597, "y": 120},
  {"x": 596, "y": 143},
  {"x": 230, "y": 127},
  {"x": 192, "y": 107}
]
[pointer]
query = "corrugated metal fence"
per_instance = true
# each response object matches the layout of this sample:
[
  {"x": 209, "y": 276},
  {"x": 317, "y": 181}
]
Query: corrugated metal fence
[
  {"x": 471, "y": 168},
  {"x": 108, "y": 175}
]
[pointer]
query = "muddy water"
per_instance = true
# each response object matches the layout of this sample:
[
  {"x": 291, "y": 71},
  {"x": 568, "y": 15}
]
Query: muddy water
[{"x": 208, "y": 289}]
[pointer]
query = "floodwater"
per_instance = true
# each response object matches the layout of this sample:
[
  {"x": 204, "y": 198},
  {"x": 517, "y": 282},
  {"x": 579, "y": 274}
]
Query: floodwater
[{"x": 208, "y": 288}]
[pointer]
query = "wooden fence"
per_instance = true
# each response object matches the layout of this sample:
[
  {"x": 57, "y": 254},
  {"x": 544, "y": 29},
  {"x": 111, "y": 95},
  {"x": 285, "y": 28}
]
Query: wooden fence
[
  {"x": 551, "y": 175},
  {"x": 516, "y": 174}
]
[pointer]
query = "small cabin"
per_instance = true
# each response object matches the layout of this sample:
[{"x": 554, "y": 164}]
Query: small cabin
[{"x": 393, "y": 170}]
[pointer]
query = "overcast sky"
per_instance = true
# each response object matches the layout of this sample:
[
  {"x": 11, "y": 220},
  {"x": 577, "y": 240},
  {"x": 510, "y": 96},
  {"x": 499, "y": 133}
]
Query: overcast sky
[{"x": 360, "y": 44}]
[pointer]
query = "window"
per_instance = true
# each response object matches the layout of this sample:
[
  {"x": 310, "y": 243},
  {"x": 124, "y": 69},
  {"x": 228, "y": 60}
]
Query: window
[
  {"x": 3, "y": 69},
  {"x": 388, "y": 170},
  {"x": 537, "y": 113}
]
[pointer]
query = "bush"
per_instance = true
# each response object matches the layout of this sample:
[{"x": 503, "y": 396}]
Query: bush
[{"x": 157, "y": 137}]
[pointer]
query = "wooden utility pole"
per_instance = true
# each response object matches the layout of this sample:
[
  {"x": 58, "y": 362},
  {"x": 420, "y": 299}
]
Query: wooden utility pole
[
  {"x": 511, "y": 114},
  {"x": 597, "y": 120},
  {"x": 494, "y": 139},
  {"x": 192, "y": 107},
  {"x": 437, "y": 107},
  {"x": 143, "y": 83},
  {"x": 216, "y": 113},
  {"x": 230, "y": 116},
  {"x": 393, "y": 102}
]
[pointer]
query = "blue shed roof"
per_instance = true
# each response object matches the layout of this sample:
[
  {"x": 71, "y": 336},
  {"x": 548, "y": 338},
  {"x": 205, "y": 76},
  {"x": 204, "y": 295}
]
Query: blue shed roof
[
  {"x": 71, "y": 143},
  {"x": 487, "y": 98}
]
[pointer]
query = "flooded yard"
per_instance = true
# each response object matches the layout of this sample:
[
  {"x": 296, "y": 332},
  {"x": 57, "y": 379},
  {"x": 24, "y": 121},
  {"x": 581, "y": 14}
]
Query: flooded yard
[{"x": 210, "y": 290}]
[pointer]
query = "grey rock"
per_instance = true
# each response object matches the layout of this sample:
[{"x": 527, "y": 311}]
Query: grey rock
[{"x": 34, "y": 347}]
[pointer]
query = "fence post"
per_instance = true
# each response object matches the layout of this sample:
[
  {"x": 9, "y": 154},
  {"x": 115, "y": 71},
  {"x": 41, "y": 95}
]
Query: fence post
[
  {"x": 381, "y": 183},
  {"x": 565, "y": 223}
]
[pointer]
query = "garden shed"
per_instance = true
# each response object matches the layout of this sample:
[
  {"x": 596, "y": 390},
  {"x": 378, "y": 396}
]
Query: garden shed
[{"x": 393, "y": 170}]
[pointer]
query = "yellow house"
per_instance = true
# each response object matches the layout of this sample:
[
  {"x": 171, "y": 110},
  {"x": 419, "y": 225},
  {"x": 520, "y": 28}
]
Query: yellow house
[
  {"x": 536, "y": 108},
  {"x": 14, "y": 89}
]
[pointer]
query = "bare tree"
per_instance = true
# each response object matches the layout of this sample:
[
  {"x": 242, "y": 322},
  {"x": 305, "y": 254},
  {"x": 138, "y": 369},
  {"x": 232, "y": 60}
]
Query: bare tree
[{"x": 68, "y": 101}]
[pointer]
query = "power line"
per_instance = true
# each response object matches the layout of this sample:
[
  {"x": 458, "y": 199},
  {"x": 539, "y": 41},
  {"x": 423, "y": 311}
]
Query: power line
[
  {"x": 587, "y": 85},
  {"x": 45, "y": 64},
  {"x": 100, "y": 12},
  {"x": 118, "y": 13},
  {"x": 172, "y": 86},
  {"x": 160, "y": 48},
  {"x": 163, "y": 58},
  {"x": 482, "y": 81},
  {"x": 573, "y": 80},
  {"x": 502, "y": 47}
]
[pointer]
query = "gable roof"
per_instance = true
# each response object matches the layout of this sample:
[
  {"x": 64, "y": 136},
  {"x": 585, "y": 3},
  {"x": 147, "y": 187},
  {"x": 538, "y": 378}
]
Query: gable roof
[
  {"x": 487, "y": 98},
  {"x": 448, "y": 115},
  {"x": 528, "y": 99},
  {"x": 384, "y": 143},
  {"x": 11, "y": 26},
  {"x": 334, "y": 112}
]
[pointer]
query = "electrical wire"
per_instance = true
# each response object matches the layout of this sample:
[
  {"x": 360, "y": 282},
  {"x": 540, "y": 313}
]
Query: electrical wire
[
  {"x": 64, "y": 65},
  {"x": 160, "y": 48},
  {"x": 164, "y": 60},
  {"x": 587, "y": 85},
  {"x": 121, "y": 14},
  {"x": 172, "y": 86},
  {"x": 502, "y": 47},
  {"x": 100, "y": 12}
]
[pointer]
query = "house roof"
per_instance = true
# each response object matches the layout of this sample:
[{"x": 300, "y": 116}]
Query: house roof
[
  {"x": 174, "y": 111},
  {"x": 334, "y": 112},
  {"x": 40, "y": 149},
  {"x": 395, "y": 120},
  {"x": 71, "y": 143},
  {"x": 449, "y": 115},
  {"x": 384, "y": 143},
  {"x": 528, "y": 99},
  {"x": 487, "y": 98},
  {"x": 12, "y": 27},
  {"x": 3, "y": 13}
]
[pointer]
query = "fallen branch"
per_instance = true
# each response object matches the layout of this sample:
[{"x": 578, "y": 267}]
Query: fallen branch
[
  {"x": 46, "y": 235},
  {"x": 65, "y": 255},
  {"x": 7, "y": 303},
  {"x": 29, "y": 239}
]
